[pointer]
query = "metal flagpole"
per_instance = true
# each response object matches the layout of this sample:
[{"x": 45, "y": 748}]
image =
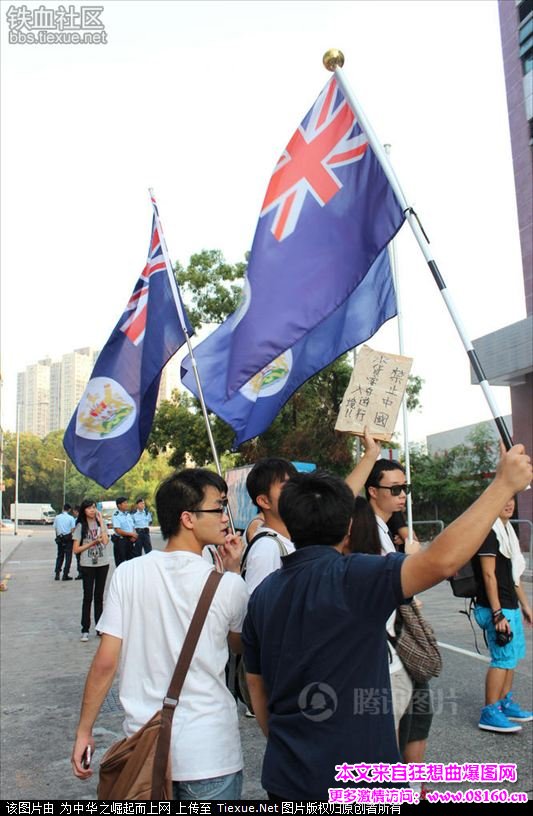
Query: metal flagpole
[
  {"x": 17, "y": 469},
  {"x": 183, "y": 324},
  {"x": 399, "y": 315},
  {"x": 334, "y": 60}
]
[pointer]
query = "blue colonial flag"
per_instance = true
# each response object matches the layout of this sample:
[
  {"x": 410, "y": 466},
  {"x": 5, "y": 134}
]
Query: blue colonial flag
[
  {"x": 328, "y": 212},
  {"x": 256, "y": 404},
  {"x": 318, "y": 280},
  {"x": 109, "y": 428}
]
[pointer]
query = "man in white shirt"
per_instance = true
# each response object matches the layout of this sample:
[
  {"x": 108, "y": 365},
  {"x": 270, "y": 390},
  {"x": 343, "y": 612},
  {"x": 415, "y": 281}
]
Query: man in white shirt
[
  {"x": 147, "y": 615},
  {"x": 386, "y": 491},
  {"x": 263, "y": 554}
]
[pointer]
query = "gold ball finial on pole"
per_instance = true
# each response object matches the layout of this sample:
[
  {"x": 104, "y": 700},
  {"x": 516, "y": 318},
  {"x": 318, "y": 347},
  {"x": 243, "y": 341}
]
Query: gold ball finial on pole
[{"x": 333, "y": 58}]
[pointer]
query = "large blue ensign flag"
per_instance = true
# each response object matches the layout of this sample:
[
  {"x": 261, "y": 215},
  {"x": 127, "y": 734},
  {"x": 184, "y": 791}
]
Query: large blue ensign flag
[
  {"x": 318, "y": 280},
  {"x": 109, "y": 428},
  {"x": 328, "y": 212}
]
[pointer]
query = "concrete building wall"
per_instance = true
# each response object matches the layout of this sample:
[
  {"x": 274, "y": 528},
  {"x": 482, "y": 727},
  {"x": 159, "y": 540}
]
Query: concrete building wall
[
  {"x": 514, "y": 20},
  {"x": 445, "y": 440}
]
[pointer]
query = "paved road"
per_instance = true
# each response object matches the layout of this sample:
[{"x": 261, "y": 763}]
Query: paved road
[{"x": 43, "y": 668}]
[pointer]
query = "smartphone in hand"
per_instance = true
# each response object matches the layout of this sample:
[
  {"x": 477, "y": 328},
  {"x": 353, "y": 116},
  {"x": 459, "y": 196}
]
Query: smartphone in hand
[{"x": 86, "y": 758}]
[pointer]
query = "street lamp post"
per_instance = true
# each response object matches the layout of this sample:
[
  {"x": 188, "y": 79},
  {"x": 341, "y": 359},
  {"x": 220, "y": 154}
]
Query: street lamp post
[{"x": 64, "y": 478}]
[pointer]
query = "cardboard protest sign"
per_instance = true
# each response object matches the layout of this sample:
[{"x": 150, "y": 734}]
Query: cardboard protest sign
[{"x": 374, "y": 394}]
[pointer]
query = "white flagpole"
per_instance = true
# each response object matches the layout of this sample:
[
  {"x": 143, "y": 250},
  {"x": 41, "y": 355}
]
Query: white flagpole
[
  {"x": 334, "y": 60},
  {"x": 183, "y": 324},
  {"x": 405, "y": 421}
]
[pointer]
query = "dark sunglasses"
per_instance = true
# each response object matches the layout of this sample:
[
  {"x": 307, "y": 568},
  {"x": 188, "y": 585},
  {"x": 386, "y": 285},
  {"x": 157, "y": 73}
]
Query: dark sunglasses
[
  {"x": 396, "y": 489},
  {"x": 220, "y": 510}
]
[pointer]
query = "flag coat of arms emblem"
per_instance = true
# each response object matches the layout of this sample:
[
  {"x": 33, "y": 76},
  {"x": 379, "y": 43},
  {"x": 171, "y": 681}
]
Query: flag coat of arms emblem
[
  {"x": 109, "y": 428},
  {"x": 318, "y": 280}
]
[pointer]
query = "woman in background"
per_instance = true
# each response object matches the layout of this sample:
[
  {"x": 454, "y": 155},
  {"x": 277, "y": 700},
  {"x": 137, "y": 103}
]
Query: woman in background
[{"x": 90, "y": 542}]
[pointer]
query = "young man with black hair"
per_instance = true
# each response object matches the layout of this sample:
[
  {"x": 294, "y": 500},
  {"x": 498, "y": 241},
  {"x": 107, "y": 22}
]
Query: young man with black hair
[
  {"x": 271, "y": 542},
  {"x": 386, "y": 491},
  {"x": 314, "y": 634},
  {"x": 148, "y": 611}
]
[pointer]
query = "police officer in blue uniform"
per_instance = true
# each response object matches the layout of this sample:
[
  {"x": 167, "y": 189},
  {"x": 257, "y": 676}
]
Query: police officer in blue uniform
[
  {"x": 124, "y": 536},
  {"x": 63, "y": 526},
  {"x": 142, "y": 518}
]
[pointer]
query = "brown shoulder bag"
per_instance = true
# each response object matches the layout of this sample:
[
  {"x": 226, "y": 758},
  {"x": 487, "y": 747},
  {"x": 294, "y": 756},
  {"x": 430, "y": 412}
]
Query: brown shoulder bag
[{"x": 137, "y": 767}]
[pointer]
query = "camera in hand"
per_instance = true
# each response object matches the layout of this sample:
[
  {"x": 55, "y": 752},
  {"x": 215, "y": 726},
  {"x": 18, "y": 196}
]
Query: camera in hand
[{"x": 503, "y": 638}]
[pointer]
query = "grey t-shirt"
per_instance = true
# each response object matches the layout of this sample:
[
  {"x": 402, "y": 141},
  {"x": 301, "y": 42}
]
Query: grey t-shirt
[{"x": 95, "y": 556}]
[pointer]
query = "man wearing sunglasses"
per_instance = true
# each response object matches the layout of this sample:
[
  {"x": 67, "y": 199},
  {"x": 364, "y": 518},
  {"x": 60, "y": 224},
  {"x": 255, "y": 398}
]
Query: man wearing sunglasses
[{"x": 386, "y": 490}]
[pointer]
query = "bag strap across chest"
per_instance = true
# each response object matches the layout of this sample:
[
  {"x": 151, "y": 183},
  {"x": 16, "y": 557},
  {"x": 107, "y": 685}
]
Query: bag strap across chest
[
  {"x": 178, "y": 678},
  {"x": 264, "y": 534}
]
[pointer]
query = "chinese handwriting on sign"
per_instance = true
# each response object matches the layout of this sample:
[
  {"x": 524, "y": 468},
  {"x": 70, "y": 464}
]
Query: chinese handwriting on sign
[{"x": 374, "y": 394}]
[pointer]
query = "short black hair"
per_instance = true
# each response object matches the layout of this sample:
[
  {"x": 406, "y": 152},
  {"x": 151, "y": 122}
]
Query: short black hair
[
  {"x": 265, "y": 473},
  {"x": 121, "y": 499},
  {"x": 140, "y": 499},
  {"x": 183, "y": 490},
  {"x": 374, "y": 477},
  {"x": 316, "y": 508},
  {"x": 67, "y": 507}
]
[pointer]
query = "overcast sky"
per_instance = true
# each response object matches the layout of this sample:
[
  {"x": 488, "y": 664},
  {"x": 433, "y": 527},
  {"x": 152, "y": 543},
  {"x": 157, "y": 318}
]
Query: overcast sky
[{"x": 198, "y": 99}]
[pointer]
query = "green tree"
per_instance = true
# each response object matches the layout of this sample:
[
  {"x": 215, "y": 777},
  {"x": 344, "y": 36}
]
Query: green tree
[
  {"x": 210, "y": 286},
  {"x": 41, "y": 474},
  {"x": 413, "y": 391},
  {"x": 179, "y": 431},
  {"x": 446, "y": 483}
]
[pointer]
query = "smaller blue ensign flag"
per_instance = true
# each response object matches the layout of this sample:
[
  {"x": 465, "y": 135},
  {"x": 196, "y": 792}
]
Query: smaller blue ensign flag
[
  {"x": 251, "y": 410},
  {"x": 109, "y": 429}
]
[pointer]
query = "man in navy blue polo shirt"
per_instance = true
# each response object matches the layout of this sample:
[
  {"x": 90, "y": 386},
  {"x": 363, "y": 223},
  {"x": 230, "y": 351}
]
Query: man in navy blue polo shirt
[{"x": 314, "y": 636}]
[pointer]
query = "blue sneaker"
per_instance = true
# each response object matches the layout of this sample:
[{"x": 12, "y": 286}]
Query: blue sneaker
[
  {"x": 513, "y": 711},
  {"x": 493, "y": 719}
]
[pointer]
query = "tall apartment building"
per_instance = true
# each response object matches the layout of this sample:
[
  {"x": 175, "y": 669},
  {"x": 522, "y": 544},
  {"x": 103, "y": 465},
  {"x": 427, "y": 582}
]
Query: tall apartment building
[
  {"x": 49, "y": 391},
  {"x": 76, "y": 369},
  {"x": 33, "y": 398}
]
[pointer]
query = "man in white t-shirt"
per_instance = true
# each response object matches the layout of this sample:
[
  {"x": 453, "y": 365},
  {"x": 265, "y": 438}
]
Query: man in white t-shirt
[
  {"x": 147, "y": 614},
  {"x": 386, "y": 491},
  {"x": 264, "y": 553}
]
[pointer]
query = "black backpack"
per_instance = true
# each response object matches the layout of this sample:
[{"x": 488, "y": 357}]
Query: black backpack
[{"x": 463, "y": 583}]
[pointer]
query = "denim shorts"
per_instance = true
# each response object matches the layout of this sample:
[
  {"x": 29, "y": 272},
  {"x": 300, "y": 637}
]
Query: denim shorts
[
  {"x": 503, "y": 657},
  {"x": 218, "y": 787}
]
